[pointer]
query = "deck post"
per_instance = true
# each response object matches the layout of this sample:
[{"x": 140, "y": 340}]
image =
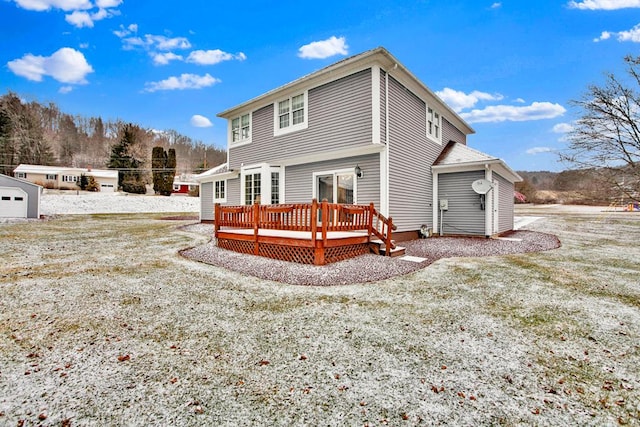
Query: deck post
[
  {"x": 372, "y": 211},
  {"x": 325, "y": 220},
  {"x": 216, "y": 219},
  {"x": 388, "y": 239},
  {"x": 256, "y": 221},
  {"x": 318, "y": 252}
]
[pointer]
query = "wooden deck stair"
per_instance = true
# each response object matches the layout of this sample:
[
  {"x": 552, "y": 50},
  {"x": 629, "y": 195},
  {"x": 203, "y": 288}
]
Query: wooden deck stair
[{"x": 377, "y": 246}]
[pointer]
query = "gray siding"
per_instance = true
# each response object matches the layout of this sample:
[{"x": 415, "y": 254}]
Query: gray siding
[
  {"x": 339, "y": 115},
  {"x": 234, "y": 198},
  {"x": 464, "y": 215},
  {"x": 505, "y": 206},
  {"x": 411, "y": 155},
  {"x": 32, "y": 190},
  {"x": 451, "y": 133},
  {"x": 299, "y": 179},
  {"x": 206, "y": 201}
]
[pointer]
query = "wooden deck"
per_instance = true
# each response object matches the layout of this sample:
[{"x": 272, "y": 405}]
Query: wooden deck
[{"x": 309, "y": 233}]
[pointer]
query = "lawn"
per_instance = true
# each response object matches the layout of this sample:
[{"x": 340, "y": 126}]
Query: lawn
[{"x": 102, "y": 322}]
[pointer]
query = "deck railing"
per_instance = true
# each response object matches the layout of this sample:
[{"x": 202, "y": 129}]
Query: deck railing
[{"x": 314, "y": 217}]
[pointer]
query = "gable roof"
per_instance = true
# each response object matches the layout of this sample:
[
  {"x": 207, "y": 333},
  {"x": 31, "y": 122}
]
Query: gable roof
[
  {"x": 456, "y": 157},
  {"x": 378, "y": 56},
  {"x": 19, "y": 181}
]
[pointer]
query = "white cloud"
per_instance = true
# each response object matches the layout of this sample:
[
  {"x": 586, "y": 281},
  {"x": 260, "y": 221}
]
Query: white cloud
[
  {"x": 520, "y": 100},
  {"x": 66, "y": 65},
  {"x": 324, "y": 48},
  {"x": 459, "y": 100},
  {"x": 106, "y": 4},
  {"x": 539, "y": 150},
  {"x": 184, "y": 81},
  {"x": 496, "y": 5},
  {"x": 80, "y": 15},
  {"x": 124, "y": 32},
  {"x": 165, "y": 58},
  {"x": 211, "y": 57},
  {"x": 43, "y": 5},
  {"x": 65, "y": 89},
  {"x": 604, "y": 4},
  {"x": 150, "y": 41},
  {"x": 501, "y": 113},
  {"x": 632, "y": 35},
  {"x": 200, "y": 121},
  {"x": 562, "y": 128}
]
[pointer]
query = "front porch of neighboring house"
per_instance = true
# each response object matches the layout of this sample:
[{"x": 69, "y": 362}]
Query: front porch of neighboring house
[{"x": 307, "y": 233}]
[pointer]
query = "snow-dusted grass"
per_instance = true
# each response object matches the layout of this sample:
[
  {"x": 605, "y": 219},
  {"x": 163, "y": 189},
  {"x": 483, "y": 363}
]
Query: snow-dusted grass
[{"x": 102, "y": 322}]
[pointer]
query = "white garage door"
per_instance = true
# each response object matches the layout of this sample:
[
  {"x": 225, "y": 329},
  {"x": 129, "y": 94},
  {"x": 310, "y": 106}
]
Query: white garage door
[
  {"x": 13, "y": 202},
  {"x": 107, "y": 188}
]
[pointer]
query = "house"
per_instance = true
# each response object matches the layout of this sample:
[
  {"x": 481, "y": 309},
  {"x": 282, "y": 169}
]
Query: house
[
  {"x": 363, "y": 130},
  {"x": 183, "y": 184},
  {"x": 18, "y": 198},
  {"x": 64, "y": 177}
]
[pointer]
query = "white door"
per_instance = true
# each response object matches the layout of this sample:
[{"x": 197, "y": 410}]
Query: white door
[{"x": 13, "y": 202}]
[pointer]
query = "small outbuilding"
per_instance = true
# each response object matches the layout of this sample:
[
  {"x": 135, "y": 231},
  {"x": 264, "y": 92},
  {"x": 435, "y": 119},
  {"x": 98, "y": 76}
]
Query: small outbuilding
[{"x": 19, "y": 198}]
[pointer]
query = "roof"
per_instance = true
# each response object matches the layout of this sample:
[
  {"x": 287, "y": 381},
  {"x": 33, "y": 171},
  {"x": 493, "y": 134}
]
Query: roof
[
  {"x": 59, "y": 170},
  {"x": 219, "y": 172},
  {"x": 378, "y": 56},
  {"x": 19, "y": 181},
  {"x": 457, "y": 156}
]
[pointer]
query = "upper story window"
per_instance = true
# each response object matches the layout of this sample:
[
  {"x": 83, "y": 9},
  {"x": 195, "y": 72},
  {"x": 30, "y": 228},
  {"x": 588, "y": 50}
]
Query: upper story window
[
  {"x": 291, "y": 114},
  {"x": 241, "y": 128},
  {"x": 434, "y": 124}
]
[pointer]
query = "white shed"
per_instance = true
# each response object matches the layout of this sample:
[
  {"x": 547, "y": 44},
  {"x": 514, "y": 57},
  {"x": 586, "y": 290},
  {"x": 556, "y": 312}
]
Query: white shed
[{"x": 19, "y": 198}]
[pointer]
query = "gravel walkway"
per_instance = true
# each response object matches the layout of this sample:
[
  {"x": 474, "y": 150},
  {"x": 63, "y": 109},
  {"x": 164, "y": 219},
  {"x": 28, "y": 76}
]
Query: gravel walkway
[{"x": 366, "y": 268}]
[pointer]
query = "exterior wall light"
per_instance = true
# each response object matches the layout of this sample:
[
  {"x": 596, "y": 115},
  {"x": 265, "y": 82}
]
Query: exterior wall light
[{"x": 358, "y": 172}]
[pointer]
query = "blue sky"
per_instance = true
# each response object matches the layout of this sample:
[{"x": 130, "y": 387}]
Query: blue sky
[{"x": 509, "y": 68}]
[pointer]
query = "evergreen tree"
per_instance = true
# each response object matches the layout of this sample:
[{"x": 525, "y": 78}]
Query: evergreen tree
[
  {"x": 158, "y": 161},
  {"x": 128, "y": 166}
]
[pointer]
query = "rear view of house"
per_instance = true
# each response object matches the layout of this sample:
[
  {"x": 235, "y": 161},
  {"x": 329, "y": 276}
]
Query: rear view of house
[{"x": 363, "y": 130}]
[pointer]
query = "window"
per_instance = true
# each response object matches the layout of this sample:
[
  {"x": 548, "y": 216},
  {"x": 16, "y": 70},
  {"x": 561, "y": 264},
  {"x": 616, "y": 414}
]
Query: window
[
  {"x": 176, "y": 187},
  {"x": 18, "y": 199},
  {"x": 21, "y": 175},
  {"x": 290, "y": 114},
  {"x": 241, "y": 128},
  {"x": 219, "y": 191},
  {"x": 335, "y": 186},
  {"x": 275, "y": 188},
  {"x": 6, "y": 198},
  {"x": 50, "y": 176},
  {"x": 433, "y": 124},
  {"x": 69, "y": 178},
  {"x": 251, "y": 188}
]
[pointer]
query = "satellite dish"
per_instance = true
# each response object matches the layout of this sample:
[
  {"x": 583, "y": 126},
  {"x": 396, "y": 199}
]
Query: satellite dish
[{"x": 481, "y": 186}]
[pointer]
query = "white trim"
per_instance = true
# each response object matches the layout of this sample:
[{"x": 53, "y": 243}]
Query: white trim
[
  {"x": 384, "y": 156},
  {"x": 264, "y": 169},
  {"x": 498, "y": 165},
  {"x": 496, "y": 207},
  {"x": 277, "y": 131},
  {"x": 434, "y": 203},
  {"x": 226, "y": 189},
  {"x": 230, "y": 142},
  {"x": 488, "y": 205},
  {"x": 330, "y": 155},
  {"x": 375, "y": 103},
  {"x": 335, "y": 173}
]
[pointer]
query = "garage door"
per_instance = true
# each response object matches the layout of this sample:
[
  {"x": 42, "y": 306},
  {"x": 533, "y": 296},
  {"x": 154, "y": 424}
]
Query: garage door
[
  {"x": 13, "y": 202},
  {"x": 107, "y": 188}
]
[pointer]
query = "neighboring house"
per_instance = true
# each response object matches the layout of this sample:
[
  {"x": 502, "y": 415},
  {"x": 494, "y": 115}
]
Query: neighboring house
[
  {"x": 362, "y": 130},
  {"x": 18, "y": 198},
  {"x": 183, "y": 184},
  {"x": 63, "y": 177}
]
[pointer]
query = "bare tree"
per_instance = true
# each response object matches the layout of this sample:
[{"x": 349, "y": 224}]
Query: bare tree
[{"x": 606, "y": 137}]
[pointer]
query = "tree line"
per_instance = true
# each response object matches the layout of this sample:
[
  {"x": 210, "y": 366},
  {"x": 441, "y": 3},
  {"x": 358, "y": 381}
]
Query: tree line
[{"x": 41, "y": 134}]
